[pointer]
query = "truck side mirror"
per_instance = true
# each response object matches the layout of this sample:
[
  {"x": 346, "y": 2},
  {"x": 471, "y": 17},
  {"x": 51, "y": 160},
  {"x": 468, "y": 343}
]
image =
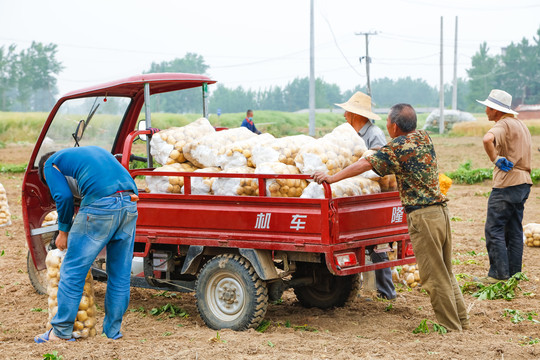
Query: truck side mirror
[{"x": 79, "y": 131}]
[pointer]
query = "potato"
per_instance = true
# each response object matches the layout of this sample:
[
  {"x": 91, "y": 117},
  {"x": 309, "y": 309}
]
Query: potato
[
  {"x": 90, "y": 322},
  {"x": 82, "y": 315},
  {"x": 78, "y": 326},
  {"x": 85, "y": 303}
]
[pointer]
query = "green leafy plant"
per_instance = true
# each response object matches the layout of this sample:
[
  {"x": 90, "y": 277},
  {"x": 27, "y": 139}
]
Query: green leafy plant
[
  {"x": 424, "y": 328},
  {"x": 218, "y": 338},
  {"x": 140, "y": 309},
  {"x": 173, "y": 311},
  {"x": 465, "y": 174},
  {"x": 529, "y": 340},
  {"x": 13, "y": 168},
  {"x": 37, "y": 310},
  {"x": 165, "y": 294},
  {"x": 305, "y": 327},
  {"x": 461, "y": 276},
  {"x": 271, "y": 344},
  {"x": 263, "y": 326},
  {"x": 502, "y": 290},
  {"x": 53, "y": 356},
  {"x": 517, "y": 316}
]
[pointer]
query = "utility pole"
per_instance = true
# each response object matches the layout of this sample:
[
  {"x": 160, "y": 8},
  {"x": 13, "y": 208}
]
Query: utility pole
[
  {"x": 312, "y": 74},
  {"x": 441, "y": 90},
  {"x": 367, "y": 58},
  {"x": 454, "y": 88}
]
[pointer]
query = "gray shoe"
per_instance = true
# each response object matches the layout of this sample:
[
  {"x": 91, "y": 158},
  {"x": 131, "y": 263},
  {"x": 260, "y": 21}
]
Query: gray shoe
[{"x": 487, "y": 280}]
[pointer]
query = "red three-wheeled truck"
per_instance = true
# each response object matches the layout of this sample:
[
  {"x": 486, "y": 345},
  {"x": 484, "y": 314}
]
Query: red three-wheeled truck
[{"x": 236, "y": 253}]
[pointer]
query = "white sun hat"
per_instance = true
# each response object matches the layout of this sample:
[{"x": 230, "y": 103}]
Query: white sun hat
[
  {"x": 499, "y": 100},
  {"x": 360, "y": 104}
]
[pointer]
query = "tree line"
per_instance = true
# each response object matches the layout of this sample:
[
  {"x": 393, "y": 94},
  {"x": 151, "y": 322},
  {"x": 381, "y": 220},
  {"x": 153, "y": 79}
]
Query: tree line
[
  {"x": 28, "y": 83},
  {"x": 28, "y": 77}
]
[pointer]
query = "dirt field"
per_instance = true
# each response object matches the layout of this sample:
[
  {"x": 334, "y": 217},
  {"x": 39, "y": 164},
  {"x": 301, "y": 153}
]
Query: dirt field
[{"x": 366, "y": 329}]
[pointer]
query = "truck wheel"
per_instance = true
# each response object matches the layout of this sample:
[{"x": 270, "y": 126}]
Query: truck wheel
[
  {"x": 230, "y": 294},
  {"x": 328, "y": 290},
  {"x": 38, "y": 279}
]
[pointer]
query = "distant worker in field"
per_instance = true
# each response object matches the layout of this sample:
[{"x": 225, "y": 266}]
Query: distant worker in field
[
  {"x": 508, "y": 146},
  {"x": 358, "y": 114},
  {"x": 248, "y": 122},
  {"x": 410, "y": 155}
]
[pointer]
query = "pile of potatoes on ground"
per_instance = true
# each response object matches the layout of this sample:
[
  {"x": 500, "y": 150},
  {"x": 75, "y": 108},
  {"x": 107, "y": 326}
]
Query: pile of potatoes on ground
[
  {"x": 407, "y": 275},
  {"x": 5, "y": 215},
  {"x": 531, "y": 235},
  {"x": 85, "y": 323},
  {"x": 197, "y": 147}
]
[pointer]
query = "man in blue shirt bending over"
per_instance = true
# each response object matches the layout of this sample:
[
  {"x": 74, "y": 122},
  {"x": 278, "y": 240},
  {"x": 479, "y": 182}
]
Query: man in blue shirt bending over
[
  {"x": 248, "y": 122},
  {"x": 107, "y": 217}
]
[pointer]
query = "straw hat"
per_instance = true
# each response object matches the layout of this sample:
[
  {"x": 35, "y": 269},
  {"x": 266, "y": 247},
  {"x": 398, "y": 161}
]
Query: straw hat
[
  {"x": 499, "y": 100},
  {"x": 360, "y": 104}
]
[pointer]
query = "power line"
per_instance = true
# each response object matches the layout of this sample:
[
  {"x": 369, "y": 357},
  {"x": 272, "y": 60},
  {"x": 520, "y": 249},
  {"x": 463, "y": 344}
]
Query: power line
[
  {"x": 337, "y": 45},
  {"x": 367, "y": 58}
]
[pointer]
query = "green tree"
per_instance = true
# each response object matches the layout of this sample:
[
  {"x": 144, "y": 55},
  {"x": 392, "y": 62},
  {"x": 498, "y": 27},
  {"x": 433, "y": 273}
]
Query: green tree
[
  {"x": 184, "y": 101},
  {"x": 521, "y": 77},
  {"x": 483, "y": 77},
  {"x": 8, "y": 59},
  {"x": 462, "y": 94},
  {"x": 231, "y": 100},
  {"x": 36, "y": 81},
  {"x": 296, "y": 94},
  {"x": 271, "y": 99}
]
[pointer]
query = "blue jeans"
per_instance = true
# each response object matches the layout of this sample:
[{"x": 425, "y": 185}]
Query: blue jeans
[
  {"x": 504, "y": 231},
  {"x": 110, "y": 222},
  {"x": 383, "y": 277}
]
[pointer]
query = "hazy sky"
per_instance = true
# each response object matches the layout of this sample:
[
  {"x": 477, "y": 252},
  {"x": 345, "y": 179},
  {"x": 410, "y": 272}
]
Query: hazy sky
[{"x": 258, "y": 44}]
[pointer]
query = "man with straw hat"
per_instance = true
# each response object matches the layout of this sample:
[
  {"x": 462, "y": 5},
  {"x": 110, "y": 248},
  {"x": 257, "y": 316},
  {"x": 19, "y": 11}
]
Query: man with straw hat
[
  {"x": 358, "y": 114},
  {"x": 508, "y": 146}
]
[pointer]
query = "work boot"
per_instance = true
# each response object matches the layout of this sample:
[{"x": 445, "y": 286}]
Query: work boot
[{"x": 487, "y": 280}]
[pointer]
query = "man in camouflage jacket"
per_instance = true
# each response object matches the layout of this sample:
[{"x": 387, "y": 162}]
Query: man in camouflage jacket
[{"x": 410, "y": 155}]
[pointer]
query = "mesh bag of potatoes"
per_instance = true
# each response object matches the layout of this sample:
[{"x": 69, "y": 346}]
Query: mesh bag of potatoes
[
  {"x": 168, "y": 184},
  {"x": 407, "y": 275},
  {"x": 5, "y": 215},
  {"x": 531, "y": 235},
  {"x": 203, "y": 185},
  {"x": 321, "y": 155},
  {"x": 387, "y": 183},
  {"x": 347, "y": 138},
  {"x": 167, "y": 145},
  {"x": 353, "y": 186},
  {"x": 240, "y": 153},
  {"x": 282, "y": 187},
  {"x": 236, "y": 186},
  {"x": 282, "y": 149},
  {"x": 204, "y": 151},
  {"x": 85, "y": 323},
  {"x": 331, "y": 153}
]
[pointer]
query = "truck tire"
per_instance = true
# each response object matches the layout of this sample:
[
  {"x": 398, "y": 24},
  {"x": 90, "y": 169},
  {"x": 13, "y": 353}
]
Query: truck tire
[
  {"x": 328, "y": 290},
  {"x": 230, "y": 294},
  {"x": 38, "y": 279}
]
